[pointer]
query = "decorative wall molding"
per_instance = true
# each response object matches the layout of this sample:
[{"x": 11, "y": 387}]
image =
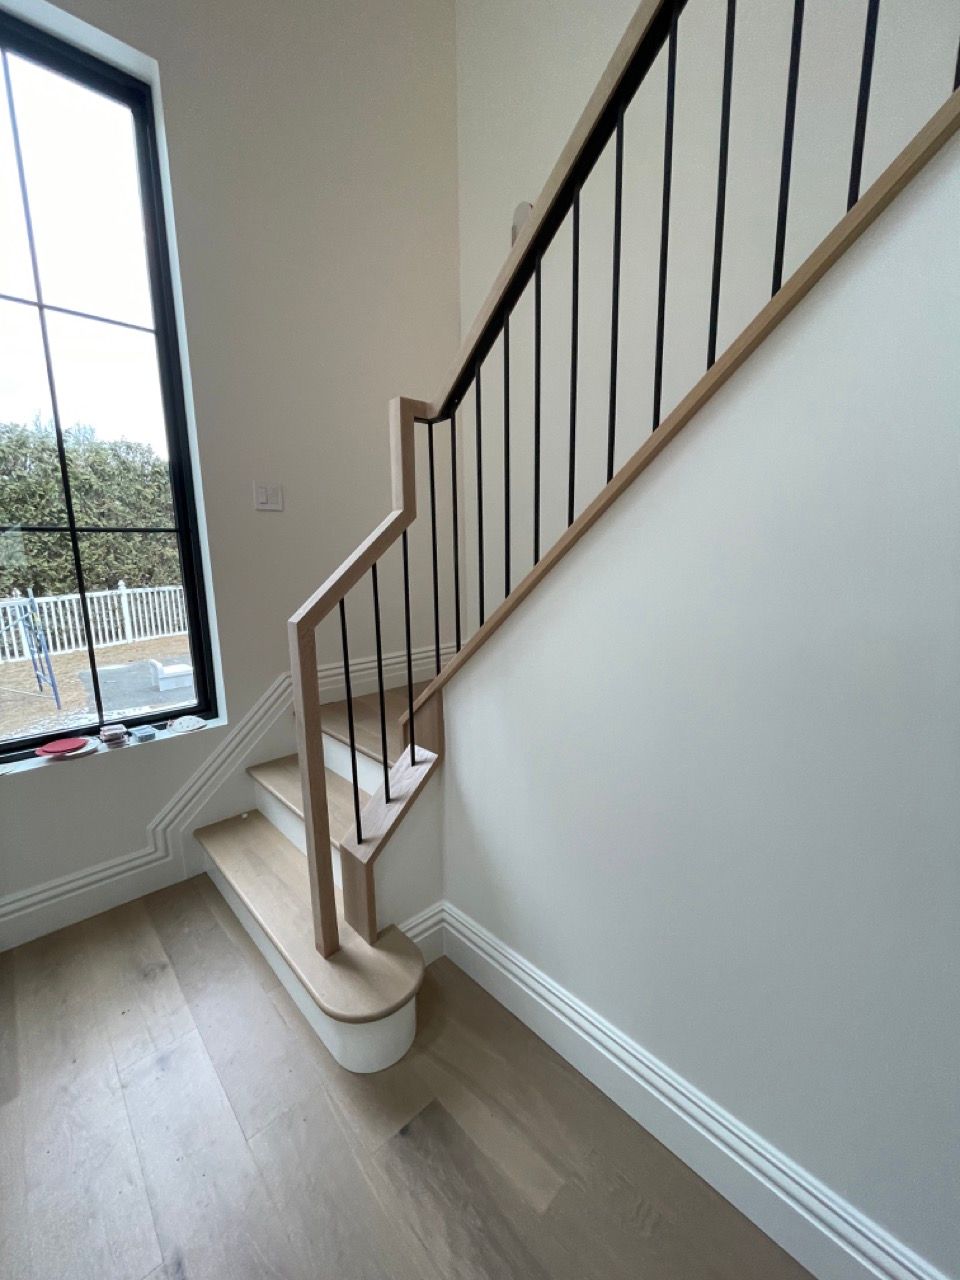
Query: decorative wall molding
[
  {"x": 426, "y": 929},
  {"x": 169, "y": 825},
  {"x": 363, "y": 671},
  {"x": 52, "y": 891},
  {"x": 30, "y": 913},
  {"x": 816, "y": 1225}
]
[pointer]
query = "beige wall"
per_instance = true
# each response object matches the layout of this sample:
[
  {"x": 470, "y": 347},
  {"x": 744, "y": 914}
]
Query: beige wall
[
  {"x": 707, "y": 778},
  {"x": 312, "y": 153},
  {"x": 733, "y": 783},
  {"x": 524, "y": 74}
]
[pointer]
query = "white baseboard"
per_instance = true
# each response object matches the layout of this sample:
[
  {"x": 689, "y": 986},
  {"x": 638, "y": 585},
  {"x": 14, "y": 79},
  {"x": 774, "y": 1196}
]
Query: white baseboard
[
  {"x": 825, "y": 1233},
  {"x": 426, "y": 929},
  {"x": 54, "y": 904}
]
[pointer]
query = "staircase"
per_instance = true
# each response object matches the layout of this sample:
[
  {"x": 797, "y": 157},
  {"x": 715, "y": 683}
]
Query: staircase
[
  {"x": 299, "y": 870},
  {"x": 360, "y": 1000}
]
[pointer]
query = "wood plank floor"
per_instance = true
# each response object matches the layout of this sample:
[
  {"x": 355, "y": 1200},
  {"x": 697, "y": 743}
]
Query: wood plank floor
[{"x": 166, "y": 1112}]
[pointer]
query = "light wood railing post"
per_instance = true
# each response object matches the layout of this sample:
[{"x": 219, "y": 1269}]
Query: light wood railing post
[
  {"x": 649, "y": 25},
  {"x": 359, "y": 905},
  {"x": 306, "y": 706},
  {"x": 359, "y": 896}
]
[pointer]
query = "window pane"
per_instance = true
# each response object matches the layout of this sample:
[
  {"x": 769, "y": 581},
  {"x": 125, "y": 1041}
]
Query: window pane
[
  {"x": 111, "y": 412},
  {"x": 140, "y": 628},
  {"x": 16, "y": 273},
  {"x": 79, "y": 155},
  {"x": 31, "y": 491},
  {"x": 43, "y": 653}
]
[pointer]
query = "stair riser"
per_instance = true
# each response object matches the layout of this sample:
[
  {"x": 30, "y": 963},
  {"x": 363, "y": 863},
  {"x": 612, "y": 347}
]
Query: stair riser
[
  {"x": 361, "y": 1047},
  {"x": 289, "y": 824},
  {"x": 336, "y": 756}
]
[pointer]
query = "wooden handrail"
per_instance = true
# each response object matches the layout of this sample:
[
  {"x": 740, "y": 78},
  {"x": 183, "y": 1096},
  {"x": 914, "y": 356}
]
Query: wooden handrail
[
  {"x": 924, "y": 146},
  {"x": 647, "y": 26},
  {"x": 518, "y": 262},
  {"x": 641, "y": 42},
  {"x": 301, "y": 634},
  {"x": 403, "y": 415}
]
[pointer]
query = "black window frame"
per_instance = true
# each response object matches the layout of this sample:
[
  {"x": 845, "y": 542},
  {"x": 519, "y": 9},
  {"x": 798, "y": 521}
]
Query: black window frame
[{"x": 57, "y": 55}]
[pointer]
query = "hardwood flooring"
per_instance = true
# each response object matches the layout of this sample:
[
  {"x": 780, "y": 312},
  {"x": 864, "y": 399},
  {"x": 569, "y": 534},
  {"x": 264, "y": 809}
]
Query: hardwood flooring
[{"x": 166, "y": 1112}]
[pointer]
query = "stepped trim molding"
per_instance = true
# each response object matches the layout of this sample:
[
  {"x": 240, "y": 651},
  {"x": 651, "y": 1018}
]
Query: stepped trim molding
[
  {"x": 29, "y": 913},
  {"x": 816, "y": 1225},
  {"x": 227, "y": 756},
  {"x": 14, "y": 904},
  {"x": 363, "y": 671}
]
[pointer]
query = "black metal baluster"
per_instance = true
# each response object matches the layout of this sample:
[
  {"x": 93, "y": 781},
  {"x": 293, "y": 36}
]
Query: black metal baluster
[
  {"x": 789, "y": 121},
  {"x": 863, "y": 101},
  {"x": 574, "y": 355},
  {"x": 956, "y": 74},
  {"x": 479, "y": 418},
  {"x": 406, "y": 629},
  {"x": 350, "y": 725},
  {"x": 433, "y": 551},
  {"x": 615, "y": 294},
  {"x": 506, "y": 456},
  {"x": 721, "y": 180},
  {"x": 455, "y": 501},
  {"x": 665, "y": 217},
  {"x": 383, "y": 704},
  {"x": 537, "y": 343}
]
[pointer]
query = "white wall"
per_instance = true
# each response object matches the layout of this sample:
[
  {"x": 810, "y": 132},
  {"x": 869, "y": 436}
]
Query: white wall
[
  {"x": 313, "y": 160},
  {"x": 708, "y": 777},
  {"x": 524, "y": 73}
]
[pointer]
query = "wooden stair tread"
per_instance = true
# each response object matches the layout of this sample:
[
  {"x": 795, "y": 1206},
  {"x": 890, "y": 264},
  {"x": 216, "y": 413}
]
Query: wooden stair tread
[
  {"x": 359, "y": 983},
  {"x": 282, "y": 779},
  {"x": 366, "y": 721},
  {"x": 380, "y": 819}
]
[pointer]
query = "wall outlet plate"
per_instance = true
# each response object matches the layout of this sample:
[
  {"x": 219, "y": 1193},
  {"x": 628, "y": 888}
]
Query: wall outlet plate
[{"x": 267, "y": 497}]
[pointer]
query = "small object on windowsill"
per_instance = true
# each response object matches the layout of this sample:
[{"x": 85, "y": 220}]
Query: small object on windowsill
[
  {"x": 63, "y": 748},
  {"x": 114, "y": 735},
  {"x": 185, "y": 724},
  {"x": 143, "y": 733}
]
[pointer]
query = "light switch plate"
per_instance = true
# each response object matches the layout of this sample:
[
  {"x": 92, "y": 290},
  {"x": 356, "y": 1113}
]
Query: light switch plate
[{"x": 267, "y": 497}]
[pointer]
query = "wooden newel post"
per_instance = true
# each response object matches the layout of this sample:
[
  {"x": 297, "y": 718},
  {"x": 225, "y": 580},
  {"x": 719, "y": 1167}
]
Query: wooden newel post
[{"x": 306, "y": 708}]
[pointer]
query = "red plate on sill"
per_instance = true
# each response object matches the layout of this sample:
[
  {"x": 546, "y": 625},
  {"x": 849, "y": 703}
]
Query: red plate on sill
[{"x": 62, "y": 747}]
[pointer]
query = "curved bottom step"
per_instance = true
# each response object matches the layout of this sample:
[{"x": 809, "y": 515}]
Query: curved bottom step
[
  {"x": 362, "y": 1047},
  {"x": 361, "y": 1001}
]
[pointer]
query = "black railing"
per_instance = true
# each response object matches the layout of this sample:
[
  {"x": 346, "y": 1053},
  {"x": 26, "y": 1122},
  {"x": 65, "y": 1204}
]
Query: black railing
[
  {"x": 789, "y": 127},
  {"x": 665, "y": 216},
  {"x": 350, "y": 723},
  {"x": 722, "y": 164},
  {"x": 378, "y": 632},
  {"x": 560, "y": 425}
]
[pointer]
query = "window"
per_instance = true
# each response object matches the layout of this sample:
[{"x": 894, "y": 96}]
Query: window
[{"x": 102, "y": 610}]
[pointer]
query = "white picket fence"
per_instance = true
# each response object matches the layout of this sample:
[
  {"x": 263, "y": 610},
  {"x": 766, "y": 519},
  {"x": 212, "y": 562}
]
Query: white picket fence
[{"x": 122, "y": 616}]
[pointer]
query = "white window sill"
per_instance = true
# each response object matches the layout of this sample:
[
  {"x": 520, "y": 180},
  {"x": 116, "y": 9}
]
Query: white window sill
[{"x": 38, "y": 762}]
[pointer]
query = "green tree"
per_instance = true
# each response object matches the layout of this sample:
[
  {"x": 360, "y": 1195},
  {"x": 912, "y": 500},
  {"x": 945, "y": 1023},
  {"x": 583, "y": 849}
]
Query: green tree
[{"x": 112, "y": 483}]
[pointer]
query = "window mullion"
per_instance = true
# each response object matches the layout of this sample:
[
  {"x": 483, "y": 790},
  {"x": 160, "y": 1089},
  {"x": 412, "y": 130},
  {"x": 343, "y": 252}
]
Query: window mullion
[{"x": 58, "y": 429}]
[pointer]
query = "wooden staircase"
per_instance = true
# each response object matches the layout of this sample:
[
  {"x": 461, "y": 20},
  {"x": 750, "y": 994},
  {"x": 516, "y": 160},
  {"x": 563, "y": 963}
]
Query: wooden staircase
[
  {"x": 360, "y": 999},
  {"x": 299, "y": 871}
]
